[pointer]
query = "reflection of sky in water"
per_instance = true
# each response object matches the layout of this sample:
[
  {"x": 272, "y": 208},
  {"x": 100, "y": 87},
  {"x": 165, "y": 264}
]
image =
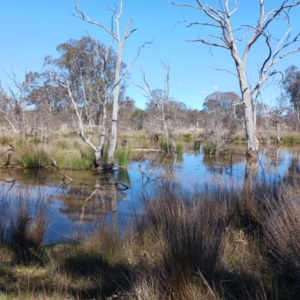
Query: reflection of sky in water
[{"x": 192, "y": 168}]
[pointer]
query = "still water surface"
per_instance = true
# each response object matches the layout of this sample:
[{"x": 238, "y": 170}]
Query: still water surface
[{"x": 93, "y": 199}]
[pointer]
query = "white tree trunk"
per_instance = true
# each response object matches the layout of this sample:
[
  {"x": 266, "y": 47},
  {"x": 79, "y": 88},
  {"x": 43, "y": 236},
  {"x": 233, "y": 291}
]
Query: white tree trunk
[
  {"x": 250, "y": 124},
  {"x": 113, "y": 138}
]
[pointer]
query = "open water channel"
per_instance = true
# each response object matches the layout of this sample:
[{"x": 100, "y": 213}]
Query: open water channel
[{"x": 96, "y": 199}]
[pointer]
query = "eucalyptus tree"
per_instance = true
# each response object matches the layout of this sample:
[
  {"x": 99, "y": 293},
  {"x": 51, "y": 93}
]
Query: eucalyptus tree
[
  {"x": 222, "y": 114},
  {"x": 114, "y": 31},
  {"x": 291, "y": 85},
  {"x": 239, "y": 39},
  {"x": 81, "y": 81}
]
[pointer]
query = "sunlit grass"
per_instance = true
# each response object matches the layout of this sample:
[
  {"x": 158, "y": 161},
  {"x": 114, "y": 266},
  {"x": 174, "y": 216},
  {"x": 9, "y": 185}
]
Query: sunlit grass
[
  {"x": 165, "y": 146},
  {"x": 187, "y": 137},
  {"x": 79, "y": 158},
  {"x": 31, "y": 156},
  {"x": 179, "y": 148},
  {"x": 291, "y": 139},
  {"x": 123, "y": 156}
]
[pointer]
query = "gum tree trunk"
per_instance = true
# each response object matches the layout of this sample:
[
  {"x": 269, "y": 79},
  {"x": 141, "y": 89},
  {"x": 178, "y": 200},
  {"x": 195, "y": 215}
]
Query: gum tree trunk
[
  {"x": 219, "y": 15},
  {"x": 250, "y": 124},
  {"x": 113, "y": 137}
]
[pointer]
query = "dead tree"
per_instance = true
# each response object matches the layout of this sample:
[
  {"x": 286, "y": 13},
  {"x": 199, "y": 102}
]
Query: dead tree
[
  {"x": 114, "y": 32},
  {"x": 244, "y": 36},
  {"x": 161, "y": 100}
]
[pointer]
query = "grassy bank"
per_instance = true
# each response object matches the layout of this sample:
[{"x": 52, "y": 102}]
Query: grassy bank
[
  {"x": 208, "y": 243},
  {"x": 65, "y": 150}
]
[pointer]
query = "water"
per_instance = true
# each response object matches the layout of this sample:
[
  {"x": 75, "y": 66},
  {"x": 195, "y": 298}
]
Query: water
[{"x": 94, "y": 200}]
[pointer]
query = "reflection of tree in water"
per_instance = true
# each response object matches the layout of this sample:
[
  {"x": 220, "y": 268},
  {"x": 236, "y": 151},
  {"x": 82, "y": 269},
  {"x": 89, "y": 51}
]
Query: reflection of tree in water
[
  {"x": 88, "y": 204},
  {"x": 293, "y": 170},
  {"x": 251, "y": 172},
  {"x": 222, "y": 163}
]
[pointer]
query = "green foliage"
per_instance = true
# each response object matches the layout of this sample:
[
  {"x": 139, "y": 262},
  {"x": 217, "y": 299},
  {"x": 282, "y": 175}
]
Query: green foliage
[
  {"x": 238, "y": 138},
  {"x": 209, "y": 147},
  {"x": 196, "y": 145},
  {"x": 77, "y": 159},
  {"x": 62, "y": 144},
  {"x": 31, "y": 156},
  {"x": 123, "y": 156},
  {"x": 165, "y": 146},
  {"x": 291, "y": 139},
  {"x": 179, "y": 148},
  {"x": 187, "y": 137}
]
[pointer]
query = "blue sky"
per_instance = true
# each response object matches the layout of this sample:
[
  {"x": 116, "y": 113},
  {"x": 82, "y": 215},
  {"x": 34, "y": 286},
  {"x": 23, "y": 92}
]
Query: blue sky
[{"x": 32, "y": 29}]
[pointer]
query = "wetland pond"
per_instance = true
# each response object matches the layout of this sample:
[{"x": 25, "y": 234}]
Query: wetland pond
[{"x": 94, "y": 199}]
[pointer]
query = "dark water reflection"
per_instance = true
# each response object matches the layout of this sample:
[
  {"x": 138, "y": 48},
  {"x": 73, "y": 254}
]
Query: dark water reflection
[{"x": 94, "y": 199}]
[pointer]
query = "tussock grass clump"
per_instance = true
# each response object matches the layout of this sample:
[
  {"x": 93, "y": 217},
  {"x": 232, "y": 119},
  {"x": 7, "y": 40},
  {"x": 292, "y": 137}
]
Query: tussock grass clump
[
  {"x": 166, "y": 146},
  {"x": 209, "y": 148},
  {"x": 123, "y": 156},
  {"x": 179, "y": 148},
  {"x": 78, "y": 158},
  {"x": 31, "y": 156},
  {"x": 291, "y": 139},
  {"x": 239, "y": 138},
  {"x": 212, "y": 242},
  {"x": 24, "y": 221},
  {"x": 187, "y": 137}
]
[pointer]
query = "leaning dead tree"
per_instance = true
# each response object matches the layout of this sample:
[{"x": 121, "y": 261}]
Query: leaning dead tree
[
  {"x": 239, "y": 40},
  {"x": 115, "y": 32}
]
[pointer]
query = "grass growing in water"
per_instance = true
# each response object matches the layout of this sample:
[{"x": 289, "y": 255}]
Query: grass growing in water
[
  {"x": 179, "y": 148},
  {"x": 204, "y": 243},
  {"x": 31, "y": 156},
  {"x": 165, "y": 146},
  {"x": 209, "y": 148},
  {"x": 77, "y": 159},
  {"x": 123, "y": 156}
]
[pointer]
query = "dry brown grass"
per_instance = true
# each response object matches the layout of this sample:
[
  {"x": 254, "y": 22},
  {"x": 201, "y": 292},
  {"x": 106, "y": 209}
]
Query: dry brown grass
[{"x": 210, "y": 243}]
